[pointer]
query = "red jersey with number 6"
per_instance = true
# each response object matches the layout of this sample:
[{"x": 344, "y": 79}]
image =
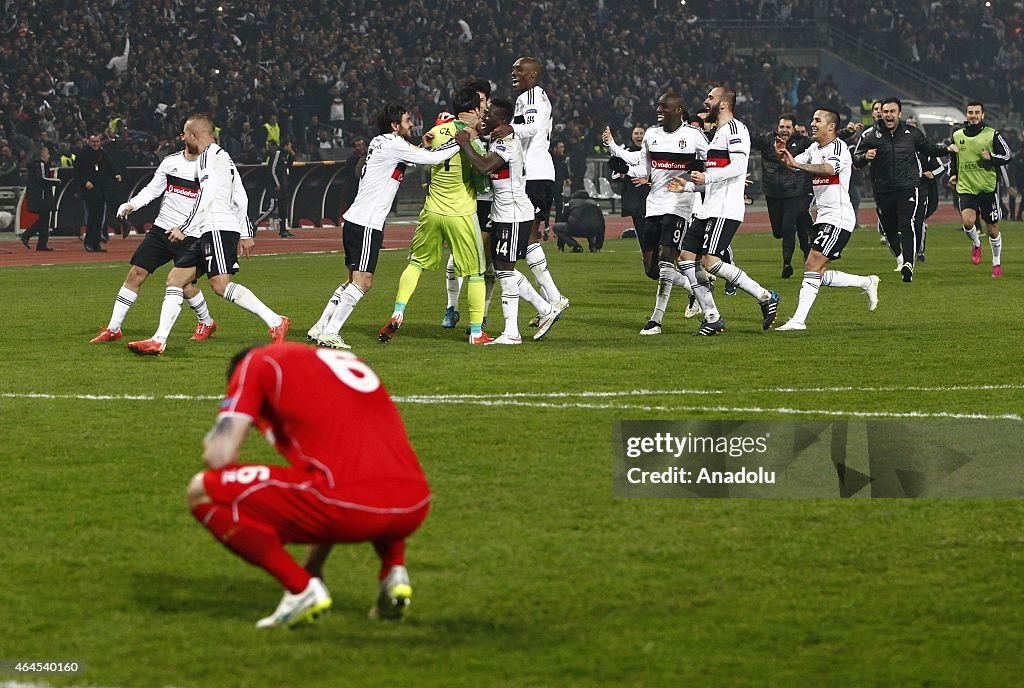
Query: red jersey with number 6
[{"x": 327, "y": 411}]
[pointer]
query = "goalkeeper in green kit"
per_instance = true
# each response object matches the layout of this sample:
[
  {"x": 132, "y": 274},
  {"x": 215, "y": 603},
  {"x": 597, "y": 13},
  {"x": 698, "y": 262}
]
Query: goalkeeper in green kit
[{"x": 448, "y": 215}]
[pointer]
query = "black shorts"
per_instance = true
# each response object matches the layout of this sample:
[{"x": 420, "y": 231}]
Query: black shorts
[
  {"x": 662, "y": 230},
  {"x": 830, "y": 241},
  {"x": 711, "y": 236},
  {"x": 542, "y": 195},
  {"x": 986, "y": 205},
  {"x": 157, "y": 249},
  {"x": 214, "y": 253},
  {"x": 483, "y": 214},
  {"x": 362, "y": 246},
  {"x": 509, "y": 241}
]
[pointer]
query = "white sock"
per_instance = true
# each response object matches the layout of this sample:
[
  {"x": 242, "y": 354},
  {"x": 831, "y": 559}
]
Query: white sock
[
  {"x": 680, "y": 280},
  {"x": 125, "y": 298},
  {"x": 665, "y": 280},
  {"x": 526, "y": 291},
  {"x": 997, "y": 249},
  {"x": 701, "y": 289},
  {"x": 538, "y": 263},
  {"x": 452, "y": 283},
  {"x": 741, "y": 280},
  {"x": 346, "y": 304},
  {"x": 808, "y": 292},
  {"x": 240, "y": 296},
  {"x": 332, "y": 303},
  {"x": 198, "y": 304},
  {"x": 834, "y": 278},
  {"x": 510, "y": 301},
  {"x": 974, "y": 235},
  {"x": 169, "y": 312}
]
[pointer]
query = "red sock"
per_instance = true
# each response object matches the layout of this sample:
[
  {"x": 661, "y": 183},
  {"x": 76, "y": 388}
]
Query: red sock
[
  {"x": 391, "y": 553},
  {"x": 253, "y": 542}
]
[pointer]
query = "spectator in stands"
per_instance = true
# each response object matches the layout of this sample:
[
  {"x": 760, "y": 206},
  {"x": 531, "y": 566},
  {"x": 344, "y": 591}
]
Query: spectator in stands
[
  {"x": 583, "y": 218},
  {"x": 10, "y": 174}
]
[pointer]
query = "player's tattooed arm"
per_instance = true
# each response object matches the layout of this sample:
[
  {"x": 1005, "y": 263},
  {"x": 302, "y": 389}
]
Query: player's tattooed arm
[{"x": 224, "y": 441}]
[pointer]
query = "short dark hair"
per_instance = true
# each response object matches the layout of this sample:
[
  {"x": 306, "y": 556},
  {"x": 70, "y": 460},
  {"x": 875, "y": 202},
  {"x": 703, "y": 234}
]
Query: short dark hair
[
  {"x": 237, "y": 359},
  {"x": 479, "y": 85},
  {"x": 875, "y": 102},
  {"x": 695, "y": 120},
  {"x": 978, "y": 103},
  {"x": 729, "y": 96},
  {"x": 788, "y": 116},
  {"x": 390, "y": 114},
  {"x": 465, "y": 99},
  {"x": 833, "y": 117},
  {"x": 899, "y": 103},
  {"x": 502, "y": 109}
]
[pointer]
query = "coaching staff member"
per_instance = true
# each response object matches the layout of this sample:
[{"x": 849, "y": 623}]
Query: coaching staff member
[{"x": 891, "y": 151}]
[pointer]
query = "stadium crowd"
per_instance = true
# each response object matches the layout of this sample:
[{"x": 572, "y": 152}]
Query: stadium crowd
[{"x": 134, "y": 69}]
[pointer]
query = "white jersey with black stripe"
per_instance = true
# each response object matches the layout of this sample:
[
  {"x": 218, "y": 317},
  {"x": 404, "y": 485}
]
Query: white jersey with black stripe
[
  {"x": 508, "y": 183},
  {"x": 832, "y": 191},
  {"x": 176, "y": 180},
  {"x": 665, "y": 155},
  {"x": 220, "y": 204},
  {"x": 725, "y": 173},
  {"x": 532, "y": 122},
  {"x": 386, "y": 159}
]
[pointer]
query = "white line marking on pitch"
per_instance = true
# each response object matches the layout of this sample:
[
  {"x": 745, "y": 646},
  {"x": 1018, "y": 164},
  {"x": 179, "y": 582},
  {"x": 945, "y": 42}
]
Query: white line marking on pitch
[{"x": 521, "y": 399}]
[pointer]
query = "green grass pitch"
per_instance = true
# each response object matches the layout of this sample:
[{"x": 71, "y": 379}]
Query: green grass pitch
[{"x": 527, "y": 572}]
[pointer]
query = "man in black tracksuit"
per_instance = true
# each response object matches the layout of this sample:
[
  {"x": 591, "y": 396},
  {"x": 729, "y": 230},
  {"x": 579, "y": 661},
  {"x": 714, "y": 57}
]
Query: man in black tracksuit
[
  {"x": 583, "y": 218},
  {"x": 39, "y": 195},
  {"x": 787, "y": 192},
  {"x": 279, "y": 163},
  {"x": 95, "y": 174},
  {"x": 892, "y": 152}
]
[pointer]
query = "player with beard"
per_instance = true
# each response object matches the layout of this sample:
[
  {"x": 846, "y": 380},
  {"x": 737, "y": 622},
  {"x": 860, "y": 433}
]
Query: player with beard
[{"x": 721, "y": 214}]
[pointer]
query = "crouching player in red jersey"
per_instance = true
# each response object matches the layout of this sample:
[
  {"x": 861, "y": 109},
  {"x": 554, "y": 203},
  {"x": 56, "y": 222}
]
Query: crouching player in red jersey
[{"x": 352, "y": 475}]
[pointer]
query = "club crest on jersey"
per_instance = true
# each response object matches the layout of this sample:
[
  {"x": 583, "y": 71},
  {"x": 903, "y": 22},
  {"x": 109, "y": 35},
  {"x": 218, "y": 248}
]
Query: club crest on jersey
[
  {"x": 878, "y": 134},
  {"x": 682, "y": 144}
]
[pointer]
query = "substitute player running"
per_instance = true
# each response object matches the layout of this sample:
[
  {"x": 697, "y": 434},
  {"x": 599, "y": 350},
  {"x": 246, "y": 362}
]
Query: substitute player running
[
  {"x": 448, "y": 215},
  {"x": 363, "y": 235},
  {"x": 829, "y": 163},
  {"x": 175, "y": 182},
  {"x": 511, "y": 216},
  {"x": 979, "y": 153},
  {"x": 352, "y": 475},
  {"x": 721, "y": 214}
]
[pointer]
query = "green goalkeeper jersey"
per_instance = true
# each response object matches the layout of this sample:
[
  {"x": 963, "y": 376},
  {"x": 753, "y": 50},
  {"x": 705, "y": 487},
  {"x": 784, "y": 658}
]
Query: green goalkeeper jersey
[{"x": 452, "y": 189}]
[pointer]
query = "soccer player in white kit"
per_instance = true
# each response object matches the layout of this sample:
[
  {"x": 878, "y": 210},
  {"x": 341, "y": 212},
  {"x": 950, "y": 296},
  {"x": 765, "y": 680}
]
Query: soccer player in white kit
[
  {"x": 220, "y": 213},
  {"x": 512, "y": 215},
  {"x": 532, "y": 124},
  {"x": 721, "y": 214},
  {"x": 363, "y": 234},
  {"x": 828, "y": 161},
  {"x": 175, "y": 183}
]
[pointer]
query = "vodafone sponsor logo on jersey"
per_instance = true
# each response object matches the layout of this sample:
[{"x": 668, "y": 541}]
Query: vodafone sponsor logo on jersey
[
  {"x": 826, "y": 180},
  {"x": 182, "y": 190},
  {"x": 669, "y": 164}
]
